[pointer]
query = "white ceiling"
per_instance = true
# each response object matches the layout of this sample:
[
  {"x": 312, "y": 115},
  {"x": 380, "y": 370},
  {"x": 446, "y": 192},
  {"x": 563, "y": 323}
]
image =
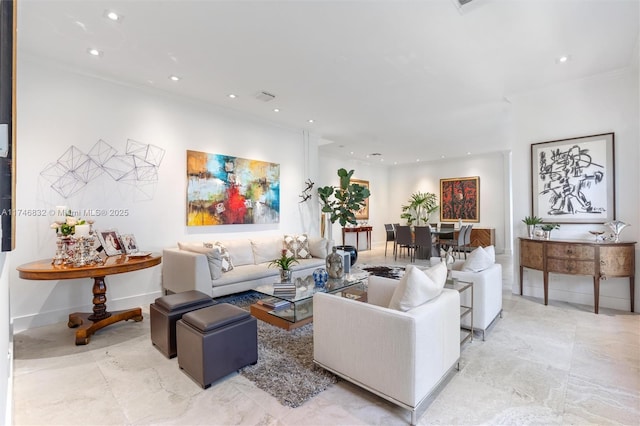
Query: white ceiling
[{"x": 407, "y": 79}]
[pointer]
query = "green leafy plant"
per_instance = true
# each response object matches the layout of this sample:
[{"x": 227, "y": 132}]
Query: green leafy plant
[
  {"x": 68, "y": 227},
  {"x": 284, "y": 262},
  {"x": 420, "y": 207},
  {"x": 341, "y": 202},
  {"x": 549, "y": 226},
  {"x": 532, "y": 220}
]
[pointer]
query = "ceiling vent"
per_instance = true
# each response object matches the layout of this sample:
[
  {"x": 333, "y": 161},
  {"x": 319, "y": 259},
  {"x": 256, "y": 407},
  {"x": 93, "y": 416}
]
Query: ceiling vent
[{"x": 265, "y": 96}]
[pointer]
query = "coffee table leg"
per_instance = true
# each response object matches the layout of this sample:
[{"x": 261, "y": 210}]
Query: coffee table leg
[{"x": 89, "y": 323}]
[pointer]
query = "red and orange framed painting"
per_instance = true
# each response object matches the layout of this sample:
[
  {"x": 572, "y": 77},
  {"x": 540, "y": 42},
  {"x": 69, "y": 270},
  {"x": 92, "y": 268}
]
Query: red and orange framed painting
[{"x": 460, "y": 199}]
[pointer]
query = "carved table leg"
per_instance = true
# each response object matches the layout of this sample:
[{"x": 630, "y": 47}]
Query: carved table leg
[
  {"x": 632, "y": 291},
  {"x": 89, "y": 323},
  {"x": 546, "y": 287},
  {"x": 596, "y": 294}
]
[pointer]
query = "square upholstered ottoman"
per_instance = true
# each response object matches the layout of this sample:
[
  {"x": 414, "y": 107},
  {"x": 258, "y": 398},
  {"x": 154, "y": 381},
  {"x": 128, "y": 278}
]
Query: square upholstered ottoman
[
  {"x": 216, "y": 341},
  {"x": 166, "y": 311}
]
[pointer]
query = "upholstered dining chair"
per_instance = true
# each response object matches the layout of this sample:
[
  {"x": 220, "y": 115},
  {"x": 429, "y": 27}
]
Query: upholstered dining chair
[
  {"x": 446, "y": 238},
  {"x": 458, "y": 243},
  {"x": 404, "y": 239},
  {"x": 424, "y": 244},
  {"x": 467, "y": 240},
  {"x": 391, "y": 236}
]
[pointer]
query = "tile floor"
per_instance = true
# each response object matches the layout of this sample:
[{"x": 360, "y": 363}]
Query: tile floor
[{"x": 556, "y": 364}]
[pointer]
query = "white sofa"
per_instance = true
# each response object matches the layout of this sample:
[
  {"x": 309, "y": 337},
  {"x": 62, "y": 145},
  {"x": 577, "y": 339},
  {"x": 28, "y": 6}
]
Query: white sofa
[
  {"x": 187, "y": 267},
  {"x": 400, "y": 356}
]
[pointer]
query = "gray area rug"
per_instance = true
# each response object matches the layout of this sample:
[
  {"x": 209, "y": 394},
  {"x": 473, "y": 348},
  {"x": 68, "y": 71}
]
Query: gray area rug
[{"x": 285, "y": 367}]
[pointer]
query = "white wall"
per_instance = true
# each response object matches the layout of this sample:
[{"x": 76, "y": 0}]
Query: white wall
[
  {"x": 58, "y": 108},
  {"x": 425, "y": 177},
  {"x": 590, "y": 106}
]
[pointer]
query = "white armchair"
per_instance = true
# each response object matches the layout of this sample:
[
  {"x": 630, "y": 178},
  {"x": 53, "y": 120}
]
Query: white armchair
[
  {"x": 400, "y": 356},
  {"x": 487, "y": 295}
]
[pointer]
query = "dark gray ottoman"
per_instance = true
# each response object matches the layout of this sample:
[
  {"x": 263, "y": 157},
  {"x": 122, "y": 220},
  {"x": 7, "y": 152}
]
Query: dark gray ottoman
[
  {"x": 216, "y": 341},
  {"x": 166, "y": 311}
]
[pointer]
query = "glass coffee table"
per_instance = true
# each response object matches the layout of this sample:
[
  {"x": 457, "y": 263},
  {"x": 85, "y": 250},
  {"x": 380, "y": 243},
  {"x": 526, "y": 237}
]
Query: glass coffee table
[{"x": 291, "y": 310}]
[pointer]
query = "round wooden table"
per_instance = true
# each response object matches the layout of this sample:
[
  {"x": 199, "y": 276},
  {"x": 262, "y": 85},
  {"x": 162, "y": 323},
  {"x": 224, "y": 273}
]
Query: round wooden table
[{"x": 89, "y": 323}]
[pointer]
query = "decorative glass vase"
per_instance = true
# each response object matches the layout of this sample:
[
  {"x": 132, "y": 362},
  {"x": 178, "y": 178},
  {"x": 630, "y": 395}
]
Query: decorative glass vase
[
  {"x": 616, "y": 226},
  {"x": 285, "y": 275}
]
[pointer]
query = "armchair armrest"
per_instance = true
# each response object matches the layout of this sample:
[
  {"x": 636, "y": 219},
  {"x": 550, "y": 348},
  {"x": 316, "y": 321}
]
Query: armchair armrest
[
  {"x": 400, "y": 354},
  {"x": 487, "y": 294},
  {"x": 380, "y": 290},
  {"x": 184, "y": 270}
]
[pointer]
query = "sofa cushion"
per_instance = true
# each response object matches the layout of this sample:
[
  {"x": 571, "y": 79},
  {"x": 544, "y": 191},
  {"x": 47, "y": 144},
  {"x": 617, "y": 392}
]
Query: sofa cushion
[
  {"x": 222, "y": 258},
  {"x": 478, "y": 260},
  {"x": 266, "y": 249},
  {"x": 297, "y": 246},
  {"x": 240, "y": 251},
  {"x": 491, "y": 251},
  {"x": 318, "y": 247},
  {"x": 416, "y": 287}
]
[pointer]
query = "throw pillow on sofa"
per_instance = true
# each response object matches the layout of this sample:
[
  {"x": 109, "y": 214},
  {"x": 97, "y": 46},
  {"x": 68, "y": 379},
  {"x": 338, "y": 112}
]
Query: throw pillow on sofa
[
  {"x": 213, "y": 254},
  {"x": 225, "y": 258},
  {"x": 478, "y": 261},
  {"x": 417, "y": 287},
  {"x": 297, "y": 246},
  {"x": 266, "y": 249},
  {"x": 318, "y": 247}
]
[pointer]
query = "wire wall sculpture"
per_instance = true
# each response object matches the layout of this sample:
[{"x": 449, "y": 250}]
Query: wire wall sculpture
[{"x": 138, "y": 166}]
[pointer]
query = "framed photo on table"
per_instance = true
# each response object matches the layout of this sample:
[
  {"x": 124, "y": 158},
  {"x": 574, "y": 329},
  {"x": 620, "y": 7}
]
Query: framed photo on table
[
  {"x": 110, "y": 241},
  {"x": 129, "y": 244},
  {"x": 573, "y": 180}
]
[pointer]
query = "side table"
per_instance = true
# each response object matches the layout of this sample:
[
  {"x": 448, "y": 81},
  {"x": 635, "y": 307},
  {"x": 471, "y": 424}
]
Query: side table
[
  {"x": 462, "y": 286},
  {"x": 90, "y": 322}
]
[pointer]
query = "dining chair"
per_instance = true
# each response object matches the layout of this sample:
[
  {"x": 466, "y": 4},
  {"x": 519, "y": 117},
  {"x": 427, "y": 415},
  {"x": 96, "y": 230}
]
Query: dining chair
[
  {"x": 424, "y": 245},
  {"x": 458, "y": 243},
  {"x": 467, "y": 239},
  {"x": 446, "y": 238},
  {"x": 404, "y": 239},
  {"x": 391, "y": 236}
]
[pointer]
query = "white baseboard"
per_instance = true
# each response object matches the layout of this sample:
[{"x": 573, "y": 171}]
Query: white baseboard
[{"x": 40, "y": 319}]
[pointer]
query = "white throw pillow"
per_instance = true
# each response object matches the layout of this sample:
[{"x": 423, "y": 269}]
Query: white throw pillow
[
  {"x": 491, "y": 251},
  {"x": 478, "y": 260},
  {"x": 297, "y": 246},
  {"x": 266, "y": 249},
  {"x": 417, "y": 287},
  {"x": 318, "y": 247}
]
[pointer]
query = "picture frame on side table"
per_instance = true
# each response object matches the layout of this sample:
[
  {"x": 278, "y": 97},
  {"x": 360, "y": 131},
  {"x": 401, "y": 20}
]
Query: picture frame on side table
[
  {"x": 129, "y": 244},
  {"x": 110, "y": 241},
  {"x": 573, "y": 180}
]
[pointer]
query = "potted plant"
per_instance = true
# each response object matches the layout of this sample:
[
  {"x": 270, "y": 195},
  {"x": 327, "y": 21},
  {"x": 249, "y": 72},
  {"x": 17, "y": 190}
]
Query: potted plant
[
  {"x": 340, "y": 204},
  {"x": 547, "y": 228},
  {"x": 284, "y": 262},
  {"x": 420, "y": 207},
  {"x": 531, "y": 222}
]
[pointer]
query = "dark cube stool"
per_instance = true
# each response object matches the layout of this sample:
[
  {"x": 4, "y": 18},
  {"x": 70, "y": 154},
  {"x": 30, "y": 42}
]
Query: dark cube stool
[
  {"x": 166, "y": 311},
  {"x": 216, "y": 341}
]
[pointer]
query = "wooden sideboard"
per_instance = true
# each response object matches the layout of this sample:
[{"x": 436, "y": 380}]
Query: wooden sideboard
[{"x": 600, "y": 260}]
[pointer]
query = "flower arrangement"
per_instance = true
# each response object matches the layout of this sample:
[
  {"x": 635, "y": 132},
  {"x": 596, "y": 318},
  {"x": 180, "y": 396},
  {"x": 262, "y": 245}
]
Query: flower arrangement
[
  {"x": 68, "y": 227},
  {"x": 284, "y": 262}
]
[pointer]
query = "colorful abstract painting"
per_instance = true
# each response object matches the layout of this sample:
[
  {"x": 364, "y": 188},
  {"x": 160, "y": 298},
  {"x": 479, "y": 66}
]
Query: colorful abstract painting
[
  {"x": 460, "y": 199},
  {"x": 225, "y": 190}
]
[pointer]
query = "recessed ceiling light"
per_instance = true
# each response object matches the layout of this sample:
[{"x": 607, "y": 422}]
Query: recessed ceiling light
[
  {"x": 563, "y": 59},
  {"x": 94, "y": 52},
  {"x": 367, "y": 156},
  {"x": 469, "y": 153},
  {"x": 310, "y": 120},
  {"x": 381, "y": 160},
  {"x": 417, "y": 159},
  {"x": 395, "y": 163},
  {"x": 276, "y": 110},
  {"x": 232, "y": 96},
  {"x": 174, "y": 78},
  {"x": 110, "y": 14},
  {"x": 351, "y": 153},
  {"x": 442, "y": 156}
]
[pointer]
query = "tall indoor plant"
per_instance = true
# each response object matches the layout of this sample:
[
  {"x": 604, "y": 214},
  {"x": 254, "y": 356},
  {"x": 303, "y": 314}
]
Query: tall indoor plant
[
  {"x": 420, "y": 207},
  {"x": 340, "y": 203}
]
